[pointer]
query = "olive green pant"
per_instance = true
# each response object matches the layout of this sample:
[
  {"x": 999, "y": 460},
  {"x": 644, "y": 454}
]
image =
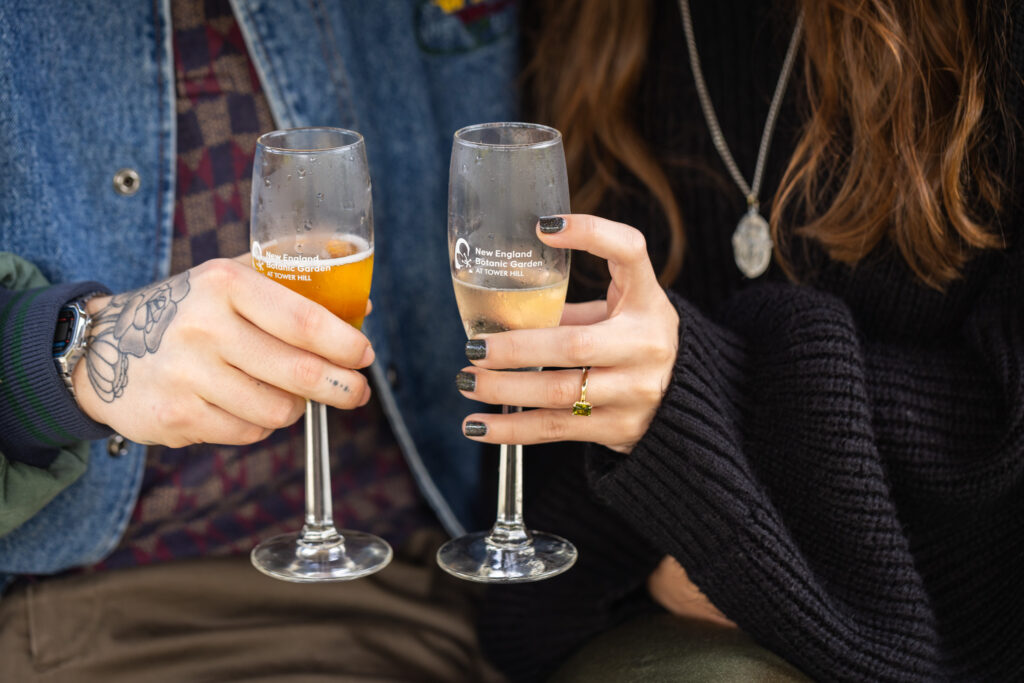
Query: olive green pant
[
  {"x": 663, "y": 648},
  {"x": 220, "y": 620}
]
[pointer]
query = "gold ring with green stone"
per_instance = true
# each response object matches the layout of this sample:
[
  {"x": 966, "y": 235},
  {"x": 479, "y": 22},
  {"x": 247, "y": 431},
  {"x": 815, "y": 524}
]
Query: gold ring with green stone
[{"x": 582, "y": 406}]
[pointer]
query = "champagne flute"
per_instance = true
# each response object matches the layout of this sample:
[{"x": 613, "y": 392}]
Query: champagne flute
[
  {"x": 503, "y": 177},
  {"x": 312, "y": 231}
]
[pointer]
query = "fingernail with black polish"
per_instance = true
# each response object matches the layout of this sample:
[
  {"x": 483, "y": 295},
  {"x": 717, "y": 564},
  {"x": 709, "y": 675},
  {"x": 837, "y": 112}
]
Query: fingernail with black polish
[
  {"x": 552, "y": 224},
  {"x": 474, "y": 429},
  {"x": 465, "y": 381},
  {"x": 476, "y": 349}
]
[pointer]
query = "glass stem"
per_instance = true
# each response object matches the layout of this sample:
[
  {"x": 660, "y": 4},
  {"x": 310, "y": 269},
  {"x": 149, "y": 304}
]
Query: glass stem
[
  {"x": 509, "y": 529},
  {"x": 319, "y": 527}
]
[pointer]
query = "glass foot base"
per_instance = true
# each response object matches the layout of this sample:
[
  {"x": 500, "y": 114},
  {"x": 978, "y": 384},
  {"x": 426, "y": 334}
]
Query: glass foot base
[
  {"x": 289, "y": 558},
  {"x": 474, "y": 558}
]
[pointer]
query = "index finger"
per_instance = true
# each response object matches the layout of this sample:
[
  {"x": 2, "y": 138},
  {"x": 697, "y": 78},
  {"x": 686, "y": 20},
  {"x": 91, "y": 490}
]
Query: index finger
[
  {"x": 621, "y": 245},
  {"x": 296, "y": 320}
]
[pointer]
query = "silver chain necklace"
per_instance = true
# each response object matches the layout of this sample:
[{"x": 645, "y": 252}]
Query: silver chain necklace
[{"x": 751, "y": 241}]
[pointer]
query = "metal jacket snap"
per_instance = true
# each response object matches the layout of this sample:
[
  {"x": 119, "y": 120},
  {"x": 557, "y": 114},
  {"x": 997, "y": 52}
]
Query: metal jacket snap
[
  {"x": 126, "y": 182},
  {"x": 117, "y": 446}
]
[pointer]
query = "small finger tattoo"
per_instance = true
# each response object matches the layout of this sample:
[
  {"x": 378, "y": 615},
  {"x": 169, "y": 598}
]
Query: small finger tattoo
[{"x": 338, "y": 383}]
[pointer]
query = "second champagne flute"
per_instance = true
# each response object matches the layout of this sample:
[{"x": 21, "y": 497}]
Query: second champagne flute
[
  {"x": 504, "y": 176},
  {"x": 312, "y": 231}
]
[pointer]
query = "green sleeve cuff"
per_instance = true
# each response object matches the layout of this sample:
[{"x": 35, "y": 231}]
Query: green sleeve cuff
[
  {"x": 25, "y": 489},
  {"x": 17, "y": 273}
]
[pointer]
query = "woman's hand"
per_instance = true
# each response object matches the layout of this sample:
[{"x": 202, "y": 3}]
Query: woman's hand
[
  {"x": 629, "y": 341},
  {"x": 217, "y": 354},
  {"x": 671, "y": 588}
]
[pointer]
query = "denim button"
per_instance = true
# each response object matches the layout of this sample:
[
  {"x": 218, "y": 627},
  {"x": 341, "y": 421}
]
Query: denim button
[
  {"x": 117, "y": 446},
  {"x": 126, "y": 182}
]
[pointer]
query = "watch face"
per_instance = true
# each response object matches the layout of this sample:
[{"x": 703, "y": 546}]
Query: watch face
[{"x": 65, "y": 329}]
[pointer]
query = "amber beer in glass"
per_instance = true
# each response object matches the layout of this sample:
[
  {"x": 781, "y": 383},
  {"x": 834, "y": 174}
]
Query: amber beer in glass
[{"x": 339, "y": 280}]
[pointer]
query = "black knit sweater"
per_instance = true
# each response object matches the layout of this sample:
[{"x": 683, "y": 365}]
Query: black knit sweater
[{"x": 839, "y": 464}]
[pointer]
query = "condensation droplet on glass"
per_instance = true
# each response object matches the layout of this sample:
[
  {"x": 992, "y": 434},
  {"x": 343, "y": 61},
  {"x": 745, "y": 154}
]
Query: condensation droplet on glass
[
  {"x": 465, "y": 168},
  {"x": 259, "y": 203},
  {"x": 312, "y": 160},
  {"x": 319, "y": 198},
  {"x": 266, "y": 182},
  {"x": 301, "y": 173},
  {"x": 308, "y": 225},
  {"x": 298, "y": 247},
  {"x": 348, "y": 205},
  {"x": 289, "y": 177},
  {"x": 479, "y": 157}
]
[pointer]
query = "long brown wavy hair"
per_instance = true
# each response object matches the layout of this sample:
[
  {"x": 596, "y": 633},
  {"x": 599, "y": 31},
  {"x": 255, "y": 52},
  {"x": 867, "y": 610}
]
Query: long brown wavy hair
[{"x": 903, "y": 110}]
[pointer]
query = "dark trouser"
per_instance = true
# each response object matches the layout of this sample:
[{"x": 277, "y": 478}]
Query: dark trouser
[
  {"x": 663, "y": 648},
  {"x": 220, "y": 620}
]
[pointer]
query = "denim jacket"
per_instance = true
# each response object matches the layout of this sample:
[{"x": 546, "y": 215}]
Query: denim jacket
[{"x": 87, "y": 90}]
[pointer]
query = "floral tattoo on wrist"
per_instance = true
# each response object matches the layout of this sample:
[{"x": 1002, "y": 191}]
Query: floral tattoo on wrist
[{"x": 131, "y": 324}]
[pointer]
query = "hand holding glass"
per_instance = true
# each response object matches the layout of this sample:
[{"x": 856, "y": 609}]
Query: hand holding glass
[{"x": 312, "y": 231}]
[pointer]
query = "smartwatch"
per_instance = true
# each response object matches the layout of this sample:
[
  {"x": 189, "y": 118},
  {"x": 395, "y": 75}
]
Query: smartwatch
[{"x": 70, "y": 340}]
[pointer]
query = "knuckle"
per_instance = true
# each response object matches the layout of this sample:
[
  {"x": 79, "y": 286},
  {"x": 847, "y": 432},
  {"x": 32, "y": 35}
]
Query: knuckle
[
  {"x": 221, "y": 272},
  {"x": 553, "y": 426},
  {"x": 562, "y": 391},
  {"x": 357, "y": 351},
  {"x": 634, "y": 425},
  {"x": 657, "y": 344},
  {"x": 281, "y": 413},
  {"x": 512, "y": 351},
  {"x": 307, "y": 371},
  {"x": 580, "y": 346},
  {"x": 251, "y": 433},
  {"x": 308, "y": 320},
  {"x": 588, "y": 223},
  {"x": 649, "y": 393},
  {"x": 171, "y": 418},
  {"x": 665, "y": 354},
  {"x": 634, "y": 244}
]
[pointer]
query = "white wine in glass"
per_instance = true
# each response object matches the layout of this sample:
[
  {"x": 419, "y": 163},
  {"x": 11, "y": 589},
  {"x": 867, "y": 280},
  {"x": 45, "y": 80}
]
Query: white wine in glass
[{"x": 538, "y": 304}]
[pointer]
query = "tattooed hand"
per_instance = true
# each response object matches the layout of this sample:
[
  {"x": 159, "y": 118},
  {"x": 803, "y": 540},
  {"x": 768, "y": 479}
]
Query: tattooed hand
[
  {"x": 216, "y": 354},
  {"x": 131, "y": 324}
]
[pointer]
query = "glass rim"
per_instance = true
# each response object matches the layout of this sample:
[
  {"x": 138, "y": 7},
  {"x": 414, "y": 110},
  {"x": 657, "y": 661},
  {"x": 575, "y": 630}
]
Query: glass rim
[
  {"x": 263, "y": 141},
  {"x": 555, "y": 138}
]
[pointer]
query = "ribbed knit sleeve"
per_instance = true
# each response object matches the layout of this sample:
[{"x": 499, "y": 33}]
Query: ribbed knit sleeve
[
  {"x": 37, "y": 413},
  {"x": 854, "y": 505}
]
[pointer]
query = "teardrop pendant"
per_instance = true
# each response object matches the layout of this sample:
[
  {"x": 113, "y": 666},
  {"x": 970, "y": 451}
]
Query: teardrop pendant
[{"x": 752, "y": 244}]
